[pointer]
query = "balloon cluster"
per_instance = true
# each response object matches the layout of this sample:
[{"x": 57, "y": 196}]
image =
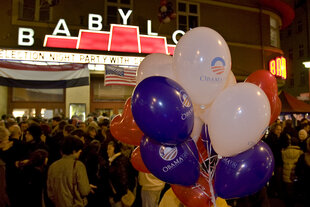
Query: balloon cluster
[
  {"x": 166, "y": 12},
  {"x": 195, "y": 127}
]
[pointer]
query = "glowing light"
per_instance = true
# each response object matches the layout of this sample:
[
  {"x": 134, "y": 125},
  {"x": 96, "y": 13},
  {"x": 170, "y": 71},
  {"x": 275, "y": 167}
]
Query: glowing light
[
  {"x": 277, "y": 67},
  {"x": 306, "y": 64},
  {"x": 219, "y": 41}
]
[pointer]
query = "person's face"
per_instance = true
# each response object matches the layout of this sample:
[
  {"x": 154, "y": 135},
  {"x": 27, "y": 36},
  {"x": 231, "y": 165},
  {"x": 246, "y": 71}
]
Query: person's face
[
  {"x": 65, "y": 133},
  {"x": 110, "y": 150},
  {"x": 307, "y": 128},
  {"x": 92, "y": 133},
  {"x": 28, "y": 136},
  {"x": 278, "y": 130},
  {"x": 23, "y": 127},
  {"x": 54, "y": 123},
  {"x": 82, "y": 126}
]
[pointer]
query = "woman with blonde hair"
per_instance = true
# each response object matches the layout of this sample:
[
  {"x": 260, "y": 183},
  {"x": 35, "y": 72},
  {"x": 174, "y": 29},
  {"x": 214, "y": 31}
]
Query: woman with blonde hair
[{"x": 5, "y": 144}]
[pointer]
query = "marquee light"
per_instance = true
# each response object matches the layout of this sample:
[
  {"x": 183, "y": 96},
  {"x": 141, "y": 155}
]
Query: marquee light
[{"x": 277, "y": 67}]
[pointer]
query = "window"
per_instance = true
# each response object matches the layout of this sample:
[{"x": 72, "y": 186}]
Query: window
[
  {"x": 301, "y": 50},
  {"x": 34, "y": 10},
  {"x": 302, "y": 78},
  {"x": 274, "y": 32},
  {"x": 289, "y": 31},
  {"x": 103, "y": 93},
  {"x": 188, "y": 15},
  {"x": 299, "y": 26},
  {"x": 290, "y": 54},
  {"x": 112, "y": 15},
  {"x": 37, "y": 95},
  {"x": 78, "y": 110},
  {"x": 291, "y": 82}
]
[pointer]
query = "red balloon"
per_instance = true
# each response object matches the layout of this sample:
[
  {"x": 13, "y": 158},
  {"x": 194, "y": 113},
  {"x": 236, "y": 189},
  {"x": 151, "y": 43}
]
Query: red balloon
[
  {"x": 124, "y": 128},
  {"x": 268, "y": 83},
  {"x": 203, "y": 154},
  {"x": 137, "y": 162},
  {"x": 277, "y": 110},
  {"x": 193, "y": 196}
]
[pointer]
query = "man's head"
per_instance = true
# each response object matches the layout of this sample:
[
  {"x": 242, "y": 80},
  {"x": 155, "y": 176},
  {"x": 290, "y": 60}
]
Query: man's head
[
  {"x": 15, "y": 132},
  {"x": 72, "y": 145}
]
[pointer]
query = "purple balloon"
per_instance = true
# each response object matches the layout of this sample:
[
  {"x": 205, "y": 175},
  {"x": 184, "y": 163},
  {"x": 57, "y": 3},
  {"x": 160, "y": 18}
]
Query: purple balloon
[
  {"x": 177, "y": 164},
  {"x": 163, "y": 110},
  {"x": 245, "y": 173}
]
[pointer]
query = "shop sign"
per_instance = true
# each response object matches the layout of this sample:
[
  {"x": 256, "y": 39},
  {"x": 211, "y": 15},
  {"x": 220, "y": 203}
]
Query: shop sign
[
  {"x": 277, "y": 67},
  {"x": 64, "y": 57},
  {"x": 121, "y": 38}
]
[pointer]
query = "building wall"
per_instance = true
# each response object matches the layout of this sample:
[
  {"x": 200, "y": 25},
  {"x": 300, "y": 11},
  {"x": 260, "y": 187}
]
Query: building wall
[
  {"x": 3, "y": 100},
  {"x": 244, "y": 26},
  {"x": 292, "y": 38}
]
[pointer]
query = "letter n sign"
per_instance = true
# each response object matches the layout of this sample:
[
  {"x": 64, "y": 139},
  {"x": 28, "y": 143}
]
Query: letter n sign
[{"x": 277, "y": 67}]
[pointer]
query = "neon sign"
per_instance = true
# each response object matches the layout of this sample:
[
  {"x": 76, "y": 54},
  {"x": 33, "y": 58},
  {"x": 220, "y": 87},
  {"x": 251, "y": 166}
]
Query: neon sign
[
  {"x": 277, "y": 67},
  {"x": 121, "y": 38}
]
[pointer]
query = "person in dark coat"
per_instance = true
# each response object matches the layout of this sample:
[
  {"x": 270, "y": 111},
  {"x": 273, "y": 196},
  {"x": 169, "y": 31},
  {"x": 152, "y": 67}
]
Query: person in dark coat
[
  {"x": 275, "y": 143},
  {"x": 33, "y": 181},
  {"x": 118, "y": 174},
  {"x": 92, "y": 159},
  {"x": 302, "y": 171}
]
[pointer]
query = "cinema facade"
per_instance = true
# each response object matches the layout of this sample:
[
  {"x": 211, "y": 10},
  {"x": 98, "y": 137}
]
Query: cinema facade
[{"x": 54, "y": 57}]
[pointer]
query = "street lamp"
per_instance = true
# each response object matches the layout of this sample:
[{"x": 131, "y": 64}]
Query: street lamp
[{"x": 307, "y": 65}]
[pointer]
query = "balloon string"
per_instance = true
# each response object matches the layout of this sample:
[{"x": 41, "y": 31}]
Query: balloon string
[
  {"x": 210, "y": 170},
  {"x": 212, "y": 163}
]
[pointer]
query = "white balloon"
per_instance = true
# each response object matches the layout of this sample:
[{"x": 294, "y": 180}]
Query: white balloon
[
  {"x": 238, "y": 118},
  {"x": 155, "y": 64},
  {"x": 202, "y": 63},
  {"x": 197, "y": 128},
  {"x": 231, "y": 80}
]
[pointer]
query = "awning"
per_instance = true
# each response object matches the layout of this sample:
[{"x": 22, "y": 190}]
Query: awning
[
  {"x": 22, "y": 75},
  {"x": 290, "y": 104}
]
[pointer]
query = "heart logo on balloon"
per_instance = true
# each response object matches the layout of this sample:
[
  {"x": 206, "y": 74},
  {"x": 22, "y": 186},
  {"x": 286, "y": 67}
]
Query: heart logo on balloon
[
  {"x": 193, "y": 196},
  {"x": 163, "y": 110},
  {"x": 202, "y": 67},
  {"x": 137, "y": 162},
  {"x": 124, "y": 128},
  {"x": 176, "y": 164}
]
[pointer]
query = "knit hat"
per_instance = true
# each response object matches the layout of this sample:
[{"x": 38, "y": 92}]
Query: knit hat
[{"x": 302, "y": 134}]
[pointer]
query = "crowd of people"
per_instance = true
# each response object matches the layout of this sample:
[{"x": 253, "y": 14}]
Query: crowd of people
[
  {"x": 66, "y": 162},
  {"x": 290, "y": 144}
]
